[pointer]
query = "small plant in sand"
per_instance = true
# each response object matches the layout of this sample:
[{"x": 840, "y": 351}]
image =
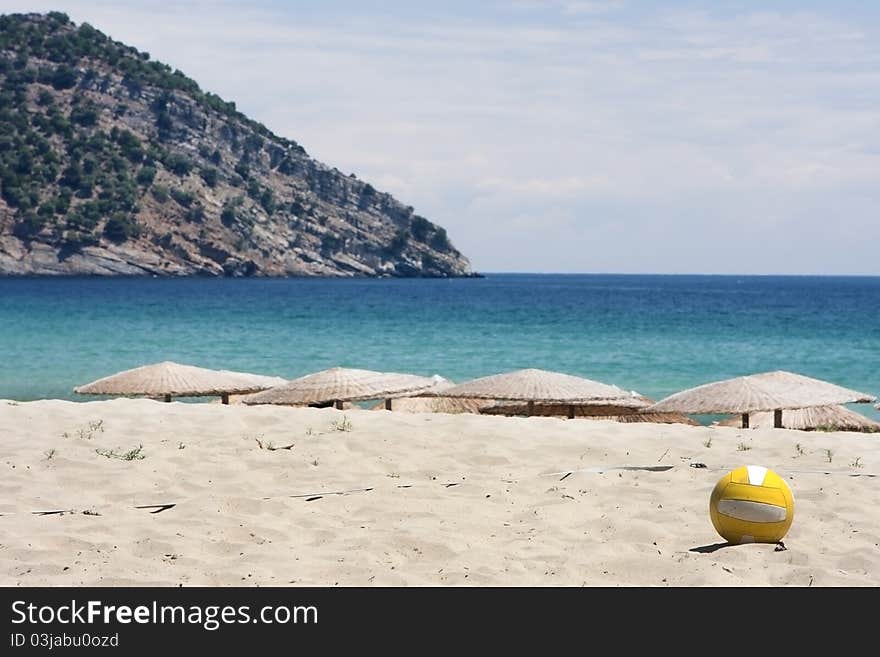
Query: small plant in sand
[
  {"x": 708, "y": 442},
  {"x": 342, "y": 425},
  {"x": 87, "y": 432},
  {"x": 180, "y": 445},
  {"x": 742, "y": 447},
  {"x": 50, "y": 454},
  {"x": 310, "y": 431},
  {"x": 828, "y": 454},
  {"x": 799, "y": 449},
  {"x": 135, "y": 454},
  {"x": 90, "y": 512},
  {"x": 91, "y": 429},
  {"x": 857, "y": 463}
]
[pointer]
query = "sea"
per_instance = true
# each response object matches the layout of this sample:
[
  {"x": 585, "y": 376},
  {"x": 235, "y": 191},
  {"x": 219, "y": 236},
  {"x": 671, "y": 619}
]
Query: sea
[{"x": 652, "y": 334}]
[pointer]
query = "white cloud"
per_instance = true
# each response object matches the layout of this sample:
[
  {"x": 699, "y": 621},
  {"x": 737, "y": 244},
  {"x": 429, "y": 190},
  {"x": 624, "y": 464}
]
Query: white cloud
[
  {"x": 545, "y": 188},
  {"x": 573, "y": 7},
  {"x": 591, "y": 6}
]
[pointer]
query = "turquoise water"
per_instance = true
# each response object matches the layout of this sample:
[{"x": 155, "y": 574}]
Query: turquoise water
[{"x": 652, "y": 334}]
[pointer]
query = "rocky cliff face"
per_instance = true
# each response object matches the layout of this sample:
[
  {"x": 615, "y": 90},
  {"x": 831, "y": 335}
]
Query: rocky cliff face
[{"x": 112, "y": 164}]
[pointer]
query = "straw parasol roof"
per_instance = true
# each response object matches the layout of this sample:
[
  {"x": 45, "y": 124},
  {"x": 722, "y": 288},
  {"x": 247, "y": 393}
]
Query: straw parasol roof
[
  {"x": 769, "y": 391},
  {"x": 235, "y": 400},
  {"x": 422, "y": 404},
  {"x": 169, "y": 379},
  {"x": 602, "y": 408},
  {"x": 657, "y": 418},
  {"x": 535, "y": 386},
  {"x": 339, "y": 384},
  {"x": 622, "y": 410},
  {"x": 826, "y": 418},
  {"x": 760, "y": 392},
  {"x": 433, "y": 402}
]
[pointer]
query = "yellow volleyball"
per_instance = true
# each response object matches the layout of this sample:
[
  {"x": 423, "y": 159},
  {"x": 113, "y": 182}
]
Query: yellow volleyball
[{"x": 751, "y": 504}]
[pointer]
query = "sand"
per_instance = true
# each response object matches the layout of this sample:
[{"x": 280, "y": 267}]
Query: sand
[{"x": 435, "y": 500}]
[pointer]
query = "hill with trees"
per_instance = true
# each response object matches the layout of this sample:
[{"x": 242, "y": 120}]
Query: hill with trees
[{"x": 112, "y": 163}]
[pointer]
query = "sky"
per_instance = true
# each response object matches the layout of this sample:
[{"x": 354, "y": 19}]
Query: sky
[{"x": 571, "y": 136}]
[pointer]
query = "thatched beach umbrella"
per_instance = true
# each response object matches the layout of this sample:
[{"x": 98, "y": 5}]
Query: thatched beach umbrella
[
  {"x": 168, "y": 379},
  {"x": 420, "y": 404},
  {"x": 340, "y": 384},
  {"x": 656, "y": 418},
  {"x": 621, "y": 410},
  {"x": 599, "y": 408},
  {"x": 823, "y": 418},
  {"x": 433, "y": 403},
  {"x": 534, "y": 386},
  {"x": 237, "y": 400},
  {"x": 769, "y": 391}
]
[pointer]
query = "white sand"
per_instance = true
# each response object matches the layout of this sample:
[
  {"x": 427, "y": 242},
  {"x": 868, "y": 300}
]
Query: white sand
[{"x": 504, "y": 522}]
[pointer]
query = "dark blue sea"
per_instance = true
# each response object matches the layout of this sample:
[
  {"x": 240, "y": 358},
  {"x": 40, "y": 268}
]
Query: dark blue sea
[{"x": 652, "y": 334}]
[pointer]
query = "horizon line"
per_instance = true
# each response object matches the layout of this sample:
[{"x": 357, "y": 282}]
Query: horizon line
[{"x": 599, "y": 273}]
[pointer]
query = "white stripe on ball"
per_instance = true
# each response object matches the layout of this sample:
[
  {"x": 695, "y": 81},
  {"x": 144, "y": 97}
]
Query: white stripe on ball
[{"x": 751, "y": 511}]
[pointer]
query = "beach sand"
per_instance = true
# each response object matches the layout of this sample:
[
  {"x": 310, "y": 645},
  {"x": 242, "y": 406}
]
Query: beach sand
[{"x": 460, "y": 500}]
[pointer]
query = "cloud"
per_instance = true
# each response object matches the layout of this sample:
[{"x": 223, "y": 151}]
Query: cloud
[
  {"x": 545, "y": 188},
  {"x": 571, "y": 122},
  {"x": 591, "y": 7},
  {"x": 573, "y": 7}
]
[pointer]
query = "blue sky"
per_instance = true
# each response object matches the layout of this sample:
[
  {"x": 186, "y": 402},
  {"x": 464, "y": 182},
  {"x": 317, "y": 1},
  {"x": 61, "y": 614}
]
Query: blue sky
[{"x": 571, "y": 135}]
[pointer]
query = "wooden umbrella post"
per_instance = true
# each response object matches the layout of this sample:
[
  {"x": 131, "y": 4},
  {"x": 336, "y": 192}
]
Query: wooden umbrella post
[
  {"x": 388, "y": 404},
  {"x": 530, "y": 408},
  {"x": 745, "y": 423},
  {"x": 338, "y": 404},
  {"x": 777, "y": 418},
  {"x": 224, "y": 397},
  {"x": 571, "y": 411},
  {"x": 167, "y": 398}
]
